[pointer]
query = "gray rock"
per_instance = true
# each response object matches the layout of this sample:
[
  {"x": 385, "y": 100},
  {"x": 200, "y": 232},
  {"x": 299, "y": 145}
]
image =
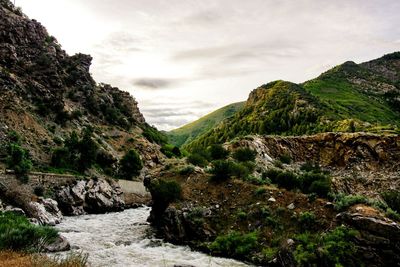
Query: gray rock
[
  {"x": 291, "y": 206},
  {"x": 46, "y": 211},
  {"x": 15, "y": 210},
  {"x": 271, "y": 199},
  {"x": 60, "y": 244}
]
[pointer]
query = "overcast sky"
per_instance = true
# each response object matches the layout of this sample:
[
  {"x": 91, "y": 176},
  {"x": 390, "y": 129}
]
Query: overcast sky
[{"x": 182, "y": 59}]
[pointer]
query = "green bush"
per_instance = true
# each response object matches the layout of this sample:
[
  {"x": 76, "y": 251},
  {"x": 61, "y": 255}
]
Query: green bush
[
  {"x": 197, "y": 159},
  {"x": 235, "y": 244},
  {"x": 77, "y": 153},
  {"x": 336, "y": 248},
  {"x": 285, "y": 158},
  {"x": 272, "y": 174},
  {"x": 308, "y": 166},
  {"x": 311, "y": 182},
  {"x": 171, "y": 151},
  {"x": 307, "y": 220},
  {"x": 287, "y": 180},
  {"x": 186, "y": 170},
  {"x": 343, "y": 201},
  {"x": 17, "y": 233},
  {"x": 223, "y": 170},
  {"x": 392, "y": 199},
  {"x": 154, "y": 136},
  {"x": 217, "y": 152},
  {"x": 244, "y": 154},
  {"x": 130, "y": 165},
  {"x": 163, "y": 193},
  {"x": 19, "y": 161}
]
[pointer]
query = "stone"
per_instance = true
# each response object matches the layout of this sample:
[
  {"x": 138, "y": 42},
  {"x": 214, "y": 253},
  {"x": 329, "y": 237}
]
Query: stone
[
  {"x": 60, "y": 244},
  {"x": 271, "y": 199},
  {"x": 46, "y": 211},
  {"x": 15, "y": 210},
  {"x": 291, "y": 206}
]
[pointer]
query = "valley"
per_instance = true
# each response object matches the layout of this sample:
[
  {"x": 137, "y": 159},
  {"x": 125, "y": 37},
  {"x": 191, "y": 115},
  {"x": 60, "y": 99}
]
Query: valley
[{"x": 299, "y": 174}]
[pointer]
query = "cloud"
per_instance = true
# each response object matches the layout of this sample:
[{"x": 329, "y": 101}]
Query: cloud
[{"x": 154, "y": 83}]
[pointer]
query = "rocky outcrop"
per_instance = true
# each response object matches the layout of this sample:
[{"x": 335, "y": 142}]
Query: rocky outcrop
[
  {"x": 46, "y": 211},
  {"x": 60, "y": 244},
  {"x": 183, "y": 225},
  {"x": 90, "y": 196},
  {"x": 379, "y": 238},
  {"x": 342, "y": 150}
]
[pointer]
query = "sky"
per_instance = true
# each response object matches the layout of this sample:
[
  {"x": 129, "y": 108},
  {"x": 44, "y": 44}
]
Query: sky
[{"x": 182, "y": 59}]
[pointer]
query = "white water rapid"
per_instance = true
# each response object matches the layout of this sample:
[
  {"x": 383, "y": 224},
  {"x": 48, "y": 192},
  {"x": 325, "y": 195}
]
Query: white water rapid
[{"x": 124, "y": 239}]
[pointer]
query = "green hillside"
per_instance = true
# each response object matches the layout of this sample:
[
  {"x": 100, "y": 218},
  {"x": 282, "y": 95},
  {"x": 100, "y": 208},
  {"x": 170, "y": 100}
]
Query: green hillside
[
  {"x": 349, "y": 97},
  {"x": 189, "y": 132}
]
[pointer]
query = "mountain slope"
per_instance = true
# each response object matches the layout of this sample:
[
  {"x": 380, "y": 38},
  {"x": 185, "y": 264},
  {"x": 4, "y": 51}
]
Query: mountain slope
[
  {"x": 349, "y": 97},
  {"x": 188, "y": 132},
  {"x": 47, "y": 94}
]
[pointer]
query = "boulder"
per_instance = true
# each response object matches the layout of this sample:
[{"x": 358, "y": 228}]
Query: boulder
[
  {"x": 91, "y": 196},
  {"x": 60, "y": 244},
  {"x": 46, "y": 211}
]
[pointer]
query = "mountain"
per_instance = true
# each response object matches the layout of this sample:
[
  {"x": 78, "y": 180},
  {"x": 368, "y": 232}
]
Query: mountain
[
  {"x": 47, "y": 94},
  {"x": 189, "y": 132},
  {"x": 350, "y": 97}
]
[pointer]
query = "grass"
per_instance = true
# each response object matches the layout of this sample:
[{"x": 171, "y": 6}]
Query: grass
[
  {"x": 188, "y": 132},
  {"x": 21, "y": 259}
]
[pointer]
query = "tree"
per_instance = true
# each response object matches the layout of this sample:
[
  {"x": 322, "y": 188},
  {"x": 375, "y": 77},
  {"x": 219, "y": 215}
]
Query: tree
[
  {"x": 18, "y": 160},
  {"x": 130, "y": 165}
]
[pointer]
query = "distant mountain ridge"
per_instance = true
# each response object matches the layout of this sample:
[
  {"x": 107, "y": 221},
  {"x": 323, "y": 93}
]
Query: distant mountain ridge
[
  {"x": 349, "y": 97},
  {"x": 187, "y": 133}
]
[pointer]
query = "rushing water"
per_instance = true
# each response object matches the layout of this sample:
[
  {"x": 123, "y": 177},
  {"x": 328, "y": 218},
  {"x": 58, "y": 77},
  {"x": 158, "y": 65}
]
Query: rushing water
[{"x": 124, "y": 239}]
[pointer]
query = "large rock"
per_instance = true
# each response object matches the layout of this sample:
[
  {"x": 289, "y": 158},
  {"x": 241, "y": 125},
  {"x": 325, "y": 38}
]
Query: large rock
[
  {"x": 60, "y": 244},
  {"x": 46, "y": 211},
  {"x": 90, "y": 196},
  {"x": 379, "y": 238}
]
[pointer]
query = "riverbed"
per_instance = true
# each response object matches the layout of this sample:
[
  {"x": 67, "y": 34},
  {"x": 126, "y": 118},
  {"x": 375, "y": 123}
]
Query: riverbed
[{"x": 124, "y": 239}]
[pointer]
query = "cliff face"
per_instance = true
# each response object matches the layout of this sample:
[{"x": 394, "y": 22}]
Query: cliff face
[
  {"x": 46, "y": 94},
  {"x": 359, "y": 163}
]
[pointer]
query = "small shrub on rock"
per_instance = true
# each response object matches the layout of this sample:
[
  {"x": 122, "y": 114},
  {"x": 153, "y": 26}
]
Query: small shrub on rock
[
  {"x": 130, "y": 165},
  {"x": 217, "y": 152},
  {"x": 235, "y": 244},
  {"x": 392, "y": 199},
  {"x": 244, "y": 154}
]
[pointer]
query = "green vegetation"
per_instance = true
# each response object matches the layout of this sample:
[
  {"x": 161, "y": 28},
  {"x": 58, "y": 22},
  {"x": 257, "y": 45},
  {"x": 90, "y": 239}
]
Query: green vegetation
[
  {"x": 307, "y": 220},
  {"x": 347, "y": 98},
  {"x": 336, "y": 248},
  {"x": 392, "y": 199},
  {"x": 308, "y": 182},
  {"x": 163, "y": 193},
  {"x": 217, "y": 151},
  {"x": 285, "y": 158},
  {"x": 78, "y": 153},
  {"x": 244, "y": 154},
  {"x": 198, "y": 158},
  {"x": 235, "y": 244},
  {"x": 342, "y": 201},
  {"x": 154, "y": 136},
  {"x": 18, "y": 158},
  {"x": 17, "y": 233},
  {"x": 130, "y": 165},
  {"x": 189, "y": 132},
  {"x": 171, "y": 151}
]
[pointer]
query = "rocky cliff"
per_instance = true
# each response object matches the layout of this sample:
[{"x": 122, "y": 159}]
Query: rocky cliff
[{"x": 46, "y": 94}]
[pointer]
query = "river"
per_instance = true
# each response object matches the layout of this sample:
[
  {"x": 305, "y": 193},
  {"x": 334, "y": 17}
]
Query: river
[{"x": 125, "y": 239}]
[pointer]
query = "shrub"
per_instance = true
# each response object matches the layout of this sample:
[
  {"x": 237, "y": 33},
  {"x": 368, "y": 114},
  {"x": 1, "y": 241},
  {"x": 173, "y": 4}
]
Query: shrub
[
  {"x": 260, "y": 191},
  {"x": 342, "y": 201},
  {"x": 18, "y": 160},
  {"x": 307, "y": 220},
  {"x": 186, "y": 170},
  {"x": 163, "y": 193},
  {"x": 130, "y": 165},
  {"x": 154, "y": 136},
  {"x": 171, "y": 151},
  {"x": 287, "y": 180},
  {"x": 217, "y": 152},
  {"x": 244, "y": 154},
  {"x": 336, "y": 248},
  {"x": 222, "y": 170},
  {"x": 285, "y": 158},
  {"x": 321, "y": 188},
  {"x": 392, "y": 199},
  {"x": 235, "y": 244},
  {"x": 271, "y": 174},
  {"x": 17, "y": 233},
  {"x": 311, "y": 182},
  {"x": 197, "y": 159}
]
